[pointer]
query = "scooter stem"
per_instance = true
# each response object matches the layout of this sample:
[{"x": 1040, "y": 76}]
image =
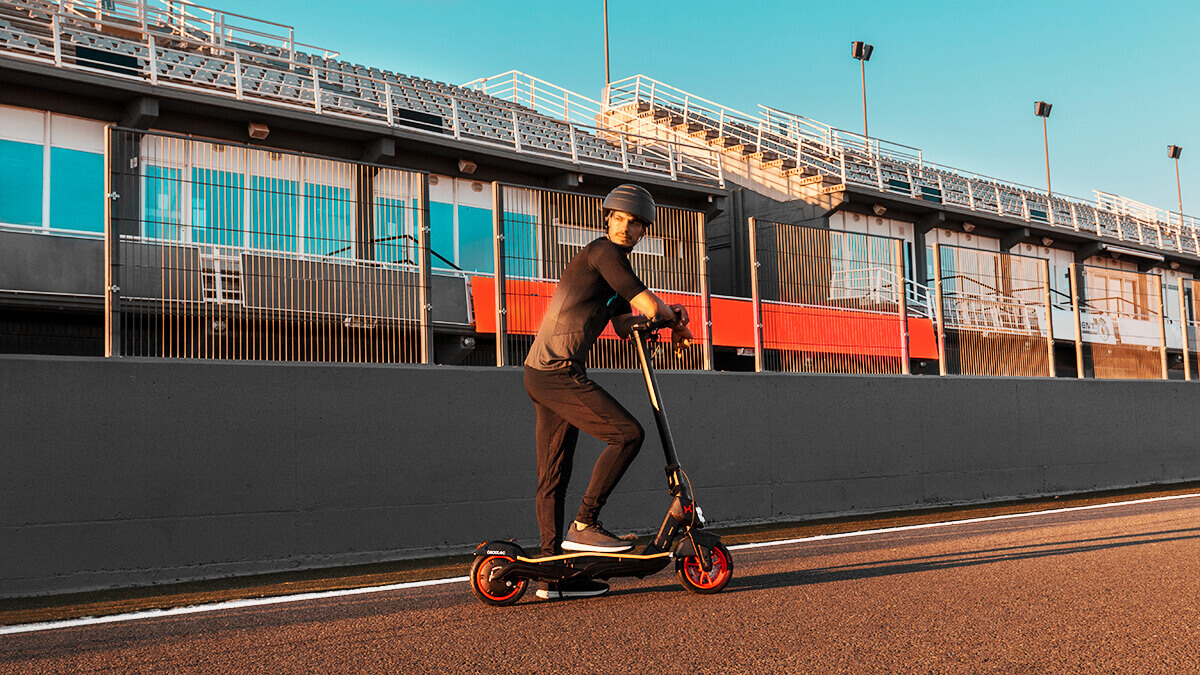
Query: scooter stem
[{"x": 660, "y": 416}]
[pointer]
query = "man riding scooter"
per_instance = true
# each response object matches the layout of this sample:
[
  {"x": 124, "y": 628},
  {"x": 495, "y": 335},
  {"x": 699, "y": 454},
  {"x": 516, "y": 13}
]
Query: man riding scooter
[{"x": 597, "y": 287}]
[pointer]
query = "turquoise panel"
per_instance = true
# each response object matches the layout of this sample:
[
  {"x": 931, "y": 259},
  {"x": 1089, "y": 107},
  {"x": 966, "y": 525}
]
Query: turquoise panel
[
  {"x": 76, "y": 190},
  {"x": 441, "y": 222},
  {"x": 328, "y": 226},
  {"x": 475, "y": 252},
  {"x": 161, "y": 190},
  {"x": 394, "y": 236},
  {"x": 218, "y": 205},
  {"x": 20, "y": 183},
  {"x": 274, "y": 211}
]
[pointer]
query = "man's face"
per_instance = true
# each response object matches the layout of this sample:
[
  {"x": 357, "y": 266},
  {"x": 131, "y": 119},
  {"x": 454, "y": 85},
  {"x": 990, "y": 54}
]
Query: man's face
[{"x": 624, "y": 229}]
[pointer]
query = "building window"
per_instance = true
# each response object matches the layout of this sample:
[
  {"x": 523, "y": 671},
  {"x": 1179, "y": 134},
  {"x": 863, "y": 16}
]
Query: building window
[
  {"x": 21, "y": 183},
  {"x": 76, "y": 190}
]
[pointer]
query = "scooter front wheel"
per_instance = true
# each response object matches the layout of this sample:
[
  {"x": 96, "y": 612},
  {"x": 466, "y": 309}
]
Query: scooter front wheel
[
  {"x": 495, "y": 593},
  {"x": 695, "y": 579}
]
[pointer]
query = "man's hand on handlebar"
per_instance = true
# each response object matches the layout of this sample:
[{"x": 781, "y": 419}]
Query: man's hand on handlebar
[
  {"x": 681, "y": 316},
  {"x": 681, "y": 336}
]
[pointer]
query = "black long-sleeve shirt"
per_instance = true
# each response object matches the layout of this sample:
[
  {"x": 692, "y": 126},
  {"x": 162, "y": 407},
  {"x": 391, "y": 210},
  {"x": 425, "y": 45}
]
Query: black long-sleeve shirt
[{"x": 596, "y": 286}]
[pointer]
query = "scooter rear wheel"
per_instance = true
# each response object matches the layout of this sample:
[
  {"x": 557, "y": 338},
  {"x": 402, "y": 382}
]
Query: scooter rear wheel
[
  {"x": 495, "y": 593},
  {"x": 695, "y": 579}
]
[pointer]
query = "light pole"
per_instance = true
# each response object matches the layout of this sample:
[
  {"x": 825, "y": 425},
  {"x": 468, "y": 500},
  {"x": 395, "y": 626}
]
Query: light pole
[
  {"x": 1042, "y": 110},
  {"x": 607, "y": 78},
  {"x": 862, "y": 52},
  {"x": 1174, "y": 151}
]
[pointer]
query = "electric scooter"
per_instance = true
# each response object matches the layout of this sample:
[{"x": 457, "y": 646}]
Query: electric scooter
[{"x": 501, "y": 570}]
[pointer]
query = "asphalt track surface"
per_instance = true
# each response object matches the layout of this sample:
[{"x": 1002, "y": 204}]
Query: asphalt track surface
[{"x": 1110, "y": 589}]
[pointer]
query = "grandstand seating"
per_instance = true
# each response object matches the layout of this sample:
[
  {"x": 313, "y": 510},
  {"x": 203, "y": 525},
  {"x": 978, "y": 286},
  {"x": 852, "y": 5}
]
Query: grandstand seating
[
  {"x": 186, "y": 54},
  {"x": 791, "y": 145}
]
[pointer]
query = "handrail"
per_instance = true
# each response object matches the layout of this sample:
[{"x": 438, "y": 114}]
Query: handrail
[{"x": 895, "y": 168}]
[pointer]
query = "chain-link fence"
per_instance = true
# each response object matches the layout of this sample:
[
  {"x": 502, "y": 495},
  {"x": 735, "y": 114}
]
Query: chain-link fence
[
  {"x": 994, "y": 312},
  {"x": 539, "y": 232},
  {"x": 218, "y": 250},
  {"x": 827, "y": 301},
  {"x": 1120, "y": 315}
]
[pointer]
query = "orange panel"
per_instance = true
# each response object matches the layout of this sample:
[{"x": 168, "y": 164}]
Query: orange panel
[
  {"x": 921, "y": 342},
  {"x": 824, "y": 329}
]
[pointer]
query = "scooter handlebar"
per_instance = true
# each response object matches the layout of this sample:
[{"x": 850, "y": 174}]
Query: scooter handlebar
[{"x": 650, "y": 325}]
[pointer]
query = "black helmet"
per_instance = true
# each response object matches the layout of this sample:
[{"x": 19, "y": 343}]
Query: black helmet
[{"x": 632, "y": 199}]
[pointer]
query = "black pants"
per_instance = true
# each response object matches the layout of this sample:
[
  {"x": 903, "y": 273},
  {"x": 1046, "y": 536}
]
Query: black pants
[{"x": 567, "y": 401}]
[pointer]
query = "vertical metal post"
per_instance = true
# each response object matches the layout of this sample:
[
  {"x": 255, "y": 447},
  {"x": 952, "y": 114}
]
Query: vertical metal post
[
  {"x": 57, "y": 40},
  {"x": 316, "y": 73},
  {"x": 705, "y": 296},
  {"x": 423, "y": 264},
  {"x": 454, "y": 118},
  {"x": 756, "y": 296},
  {"x": 1049, "y": 319},
  {"x": 607, "y": 76},
  {"x": 152, "y": 60},
  {"x": 112, "y": 257},
  {"x": 1162, "y": 324},
  {"x": 1078, "y": 320},
  {"x": 1183, "y": 329},
  {"x": 904, "y": 353},
  {"x": 937, "y": 294},
  {"x": 1046, "y": 139},
  {"x": 1179, "y": 190},
  {"x": 863, "y": 64},
  {"x": 391, "y": 109},
  {"x": 237, "y": 74},
  {"x": 498, "y": 265}
]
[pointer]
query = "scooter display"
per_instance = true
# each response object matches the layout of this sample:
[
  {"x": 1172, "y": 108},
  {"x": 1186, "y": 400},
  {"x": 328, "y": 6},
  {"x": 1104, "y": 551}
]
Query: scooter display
[{"x": 502, "y": 570}]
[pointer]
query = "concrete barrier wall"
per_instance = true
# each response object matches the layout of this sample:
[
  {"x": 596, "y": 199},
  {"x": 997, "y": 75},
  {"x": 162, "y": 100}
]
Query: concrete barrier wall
[{"x": 131, "y": 472}]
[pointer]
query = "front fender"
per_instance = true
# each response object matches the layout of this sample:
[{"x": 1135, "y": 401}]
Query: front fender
[
  {"x": 505, "y": 548},
  {"x": 685, "y": 547}
]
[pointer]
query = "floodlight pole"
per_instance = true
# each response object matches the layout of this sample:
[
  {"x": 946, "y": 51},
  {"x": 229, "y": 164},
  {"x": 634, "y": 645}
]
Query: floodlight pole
[
  {"x": 607, "y": 76},
  {"x": 862, "y": 51},
  {"x": 863, "y": 66},
  {"x": 1042, "y": 110},
  {"x": 1174, "y": 151}
]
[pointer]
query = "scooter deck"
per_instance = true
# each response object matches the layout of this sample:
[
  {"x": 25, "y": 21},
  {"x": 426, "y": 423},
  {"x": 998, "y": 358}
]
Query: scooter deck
[{"x": 593, "y": 554}]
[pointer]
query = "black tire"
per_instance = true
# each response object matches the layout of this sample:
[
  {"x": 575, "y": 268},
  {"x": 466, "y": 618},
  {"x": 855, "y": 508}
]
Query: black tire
[
  {"x": 693, "y": 577},
  {"x": 496, "y": 594}
]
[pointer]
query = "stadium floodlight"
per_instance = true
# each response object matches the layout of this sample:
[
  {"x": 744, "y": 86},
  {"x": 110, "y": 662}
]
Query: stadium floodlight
[
  {"x": 1042, "y": 110},
  {"x": 862, "y": 51},
  {"x": 1174, "y": 151}
]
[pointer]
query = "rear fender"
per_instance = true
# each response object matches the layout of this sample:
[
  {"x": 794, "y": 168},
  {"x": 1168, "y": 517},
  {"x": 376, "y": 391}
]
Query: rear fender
[{"x": 505, "y": 548}]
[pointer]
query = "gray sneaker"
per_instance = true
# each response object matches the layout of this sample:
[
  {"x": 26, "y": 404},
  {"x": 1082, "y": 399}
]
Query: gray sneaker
[{"x": 593, "y": 537}]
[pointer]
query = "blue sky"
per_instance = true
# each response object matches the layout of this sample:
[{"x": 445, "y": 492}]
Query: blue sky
[{"x": 955, "y": 79}]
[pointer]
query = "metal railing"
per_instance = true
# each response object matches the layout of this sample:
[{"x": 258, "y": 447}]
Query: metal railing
[
  {"x": 993, "y": 313},
  {"x": 188, "y": 47},
  {"x": 539, "y": 232},
  {"x": 217, "y": 250},
  {"x": 827, "y": 301},
  {"x": 794, "y": 141}
]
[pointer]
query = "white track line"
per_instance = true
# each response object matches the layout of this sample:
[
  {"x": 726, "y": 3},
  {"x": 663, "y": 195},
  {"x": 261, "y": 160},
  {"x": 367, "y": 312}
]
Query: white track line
[{"x": 258, "y": 602}]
